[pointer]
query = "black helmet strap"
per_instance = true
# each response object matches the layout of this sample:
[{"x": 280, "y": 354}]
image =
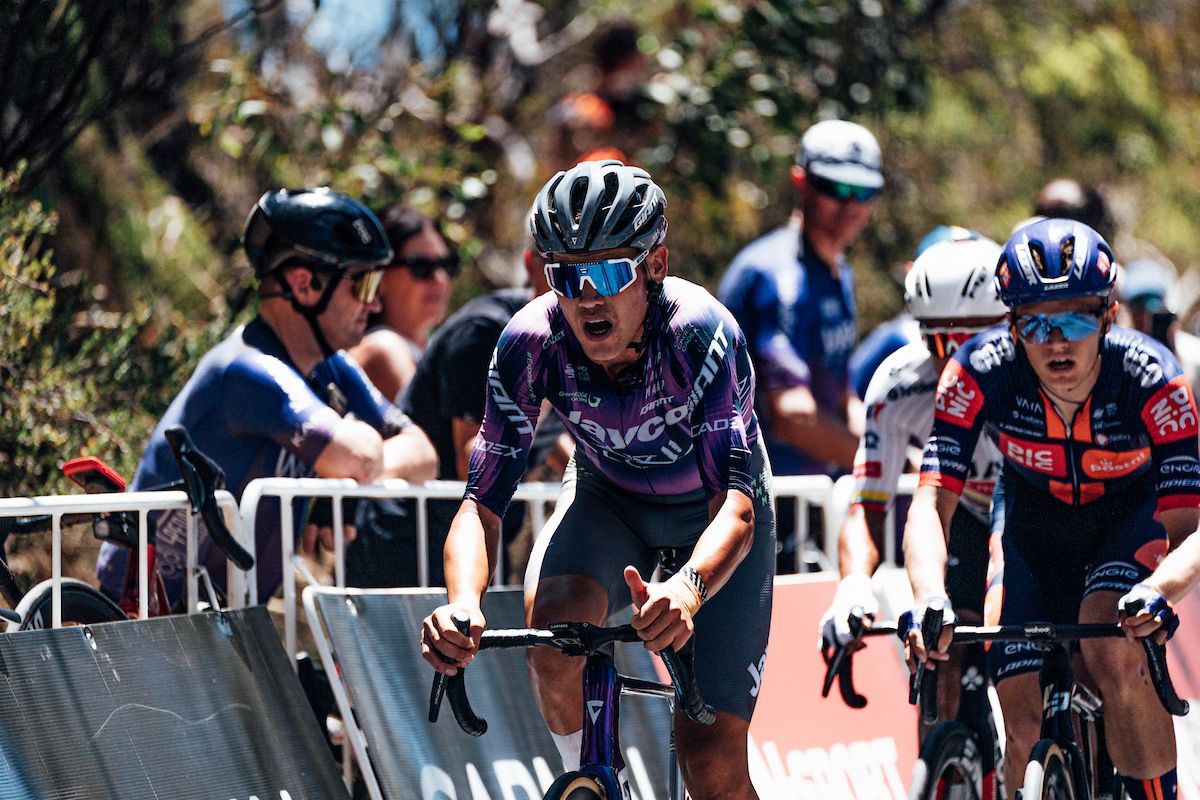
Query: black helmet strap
[{"x": 311, "y": 313}]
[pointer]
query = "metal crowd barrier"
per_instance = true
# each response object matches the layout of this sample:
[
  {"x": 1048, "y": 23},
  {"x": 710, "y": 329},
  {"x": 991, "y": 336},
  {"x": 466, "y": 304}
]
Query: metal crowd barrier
[
  {"x": 808, "y": 490},
  {"x": 287, "y": 489},
  {"x": 843, "y": 493},
  {"x": 58, "y": 506}
]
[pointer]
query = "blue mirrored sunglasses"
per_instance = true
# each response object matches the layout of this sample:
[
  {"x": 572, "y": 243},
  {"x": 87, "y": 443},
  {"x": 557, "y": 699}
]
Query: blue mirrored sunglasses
[
  {"x": 842, "y": 191},
  {"x": 608, "y": 277},
  {"x": 1074, "y": 326}
]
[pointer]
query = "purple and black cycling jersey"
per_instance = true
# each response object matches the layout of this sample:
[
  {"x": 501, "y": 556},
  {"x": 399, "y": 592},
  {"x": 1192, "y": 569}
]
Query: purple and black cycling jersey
[
  {"x": 1138, "y": 424},
  {"x": 251, "y": 411},
  {"x": 679, "y": 420}
]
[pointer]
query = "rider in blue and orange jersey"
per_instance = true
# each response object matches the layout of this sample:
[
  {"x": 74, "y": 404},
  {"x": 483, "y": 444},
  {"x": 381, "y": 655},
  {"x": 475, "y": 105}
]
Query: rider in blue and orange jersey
[{"x": 1099, "y": 492}]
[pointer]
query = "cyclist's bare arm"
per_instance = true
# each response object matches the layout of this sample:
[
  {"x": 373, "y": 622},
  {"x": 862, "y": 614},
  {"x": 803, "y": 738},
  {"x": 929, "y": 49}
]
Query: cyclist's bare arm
[
  {"x": 469, "y": 558},
  {"x": 794, "y": 417},
  {"x": 355, "y": 451},
  {"x": 860, "y": 541},
  {"x": 1179, "y": 572},
  {"x": 925, "y": 537},
  {"x": 664, "y": 611},
  {"x": 409, "y": 455}
]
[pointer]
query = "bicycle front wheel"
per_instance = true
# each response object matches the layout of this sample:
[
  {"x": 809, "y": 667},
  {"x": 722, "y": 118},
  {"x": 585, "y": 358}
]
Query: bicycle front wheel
[
  {"x": 1048, "y": 775},
  {"x": 574, "y": 786},
  {"x": 83, "y": 604},
  {"x": 949, "y": 766}
]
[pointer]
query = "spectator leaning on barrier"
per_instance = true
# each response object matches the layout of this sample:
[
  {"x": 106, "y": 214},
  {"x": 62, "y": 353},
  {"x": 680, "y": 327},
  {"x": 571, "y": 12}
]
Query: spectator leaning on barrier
[
  {"x": 414, "y": 293},
  {"x": 792, "y": 291},
  {"x": 276, "y": 397}
]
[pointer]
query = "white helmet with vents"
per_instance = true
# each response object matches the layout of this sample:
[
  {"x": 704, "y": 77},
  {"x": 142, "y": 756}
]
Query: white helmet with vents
[{"x": 954, "y": 280}]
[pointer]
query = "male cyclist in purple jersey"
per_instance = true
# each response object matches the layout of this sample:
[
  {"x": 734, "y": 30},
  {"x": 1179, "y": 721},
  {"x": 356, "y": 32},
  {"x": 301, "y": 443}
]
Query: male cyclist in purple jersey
[
  {"x": 1098, "y": 497},
  {"x": 652, "y": 377}
]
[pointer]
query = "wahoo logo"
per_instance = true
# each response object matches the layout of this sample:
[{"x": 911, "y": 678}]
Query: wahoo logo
[
  {"x": 594, "y": 708},
  {"x": 1171, "y": 413},
  {"x": 505, "y": 403}
]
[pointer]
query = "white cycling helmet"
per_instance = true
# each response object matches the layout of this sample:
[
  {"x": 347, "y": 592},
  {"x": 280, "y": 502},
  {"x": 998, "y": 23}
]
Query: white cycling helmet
[{"x": 954, "y": 280}]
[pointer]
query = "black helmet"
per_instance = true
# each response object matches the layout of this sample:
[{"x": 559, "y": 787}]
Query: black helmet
[
  {"x": 315, "y": 226},
  {"x": 598, "y": 205}
]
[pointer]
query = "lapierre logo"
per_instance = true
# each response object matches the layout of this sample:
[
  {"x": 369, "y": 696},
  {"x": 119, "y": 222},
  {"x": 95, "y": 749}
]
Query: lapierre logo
[
  {"x": 1040, "y": 457},
  {"x": 1171, "y": 413}
]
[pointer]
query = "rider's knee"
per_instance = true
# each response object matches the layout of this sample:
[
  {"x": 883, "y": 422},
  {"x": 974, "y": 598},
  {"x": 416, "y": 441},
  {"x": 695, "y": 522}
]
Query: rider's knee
[{"x": 1111, "y": 662}]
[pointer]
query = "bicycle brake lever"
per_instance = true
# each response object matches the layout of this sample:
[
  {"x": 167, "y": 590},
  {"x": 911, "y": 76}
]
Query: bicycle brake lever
[{"x": 440, "y": 680}]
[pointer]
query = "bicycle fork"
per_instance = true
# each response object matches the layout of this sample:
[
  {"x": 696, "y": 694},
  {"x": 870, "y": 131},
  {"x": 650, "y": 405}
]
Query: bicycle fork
[{"x": 600, "y": 753}]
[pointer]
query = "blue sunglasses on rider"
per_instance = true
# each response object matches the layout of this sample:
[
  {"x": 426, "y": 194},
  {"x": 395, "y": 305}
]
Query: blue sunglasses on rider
[
  {"x": 609, "y": 277},
  {"x": 1075, "y": 326}
]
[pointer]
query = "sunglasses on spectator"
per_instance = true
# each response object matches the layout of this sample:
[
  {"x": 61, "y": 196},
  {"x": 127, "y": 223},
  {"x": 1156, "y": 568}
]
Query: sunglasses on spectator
[
  {"x": 608, "y": 277},
  {"x": 424, "y": 268},
  {"x": 842, "y": 191},
  {"x": 365, "y": 284},
  {"x": 1075, "y": 326}
]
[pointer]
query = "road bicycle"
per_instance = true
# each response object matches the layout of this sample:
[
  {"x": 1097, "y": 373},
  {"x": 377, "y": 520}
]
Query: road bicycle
[
  {"x": 1062, "y": 766},
  {"x": 959, "y": 758},
  {"x": 600, "y": 753},
  {"x": 84, "y": 604}
]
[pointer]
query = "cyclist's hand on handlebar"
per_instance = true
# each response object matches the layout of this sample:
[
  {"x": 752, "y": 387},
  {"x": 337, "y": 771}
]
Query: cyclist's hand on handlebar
[
  {"x": 662, "y": 612},
  {"x": 1144, "y": 611},
  {"x": 909, "y": 629},
  {"x": 854, "y": 590},
  {"x": 443, "y": 646}
]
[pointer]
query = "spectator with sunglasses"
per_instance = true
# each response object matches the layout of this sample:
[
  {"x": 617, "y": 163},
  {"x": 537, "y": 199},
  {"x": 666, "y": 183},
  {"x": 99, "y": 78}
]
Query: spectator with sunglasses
[
  {"x": 1097, "y": 500},
  {"x": 414, "y": 293},
  {"x": 280, "y": 397},
  {"x": 792, "y": 291},
  {"x": 652, "y": 377}
]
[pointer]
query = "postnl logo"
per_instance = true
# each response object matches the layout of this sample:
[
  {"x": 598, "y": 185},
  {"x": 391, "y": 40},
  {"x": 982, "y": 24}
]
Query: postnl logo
[
  {"x": 1106, "y": 464},
  {"x": 1037, "y": 456},
  {"x": 959, "y": 398}
]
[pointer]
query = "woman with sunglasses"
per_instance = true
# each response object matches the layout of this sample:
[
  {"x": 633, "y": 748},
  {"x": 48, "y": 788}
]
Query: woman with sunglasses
[
  {"x": 415, "y": 292},
  {"x": 652, "y": 377},
  {"x": 1097, "y": 428}
]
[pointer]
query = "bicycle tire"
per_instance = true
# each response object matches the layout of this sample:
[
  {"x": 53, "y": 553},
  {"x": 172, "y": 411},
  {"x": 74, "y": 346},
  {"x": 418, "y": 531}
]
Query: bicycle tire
[
  {"x": 83, "y": 604},
  {"x": 950, "y": 765},
  {"x": 574, "y": 786},
  {"x": 1048, "y": 775}
]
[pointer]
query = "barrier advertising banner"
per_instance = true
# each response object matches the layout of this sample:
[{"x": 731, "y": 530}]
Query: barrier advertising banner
[
  {"x": 375, "y": 636},
  {"x": 200, "y": 707},
  {"x": 803, "y": 746},
  {"x": 1183, "y": 656}
]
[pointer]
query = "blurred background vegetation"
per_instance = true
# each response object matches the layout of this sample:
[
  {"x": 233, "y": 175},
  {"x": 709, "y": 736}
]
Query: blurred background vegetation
[{"x": 135, "y": 137}]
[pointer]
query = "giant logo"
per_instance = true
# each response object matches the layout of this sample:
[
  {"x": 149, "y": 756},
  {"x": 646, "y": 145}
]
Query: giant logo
[
  {"x": 1037, "y": 456},
  {"x": 1170, "y": 415}
]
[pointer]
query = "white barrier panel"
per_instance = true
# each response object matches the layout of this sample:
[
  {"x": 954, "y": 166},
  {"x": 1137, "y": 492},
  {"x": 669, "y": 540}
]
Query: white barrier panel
[
  {"x": 841, "y": 497},
  {"x": 287, "y": 489},
  {"x": 58, "y": 506},
  {"x": 807, "y": 489}
]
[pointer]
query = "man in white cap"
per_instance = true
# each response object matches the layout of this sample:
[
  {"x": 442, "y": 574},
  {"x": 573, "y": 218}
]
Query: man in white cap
[
  {"x": 792, "y": 292},
  {"x": 1145, "y": 289}
]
